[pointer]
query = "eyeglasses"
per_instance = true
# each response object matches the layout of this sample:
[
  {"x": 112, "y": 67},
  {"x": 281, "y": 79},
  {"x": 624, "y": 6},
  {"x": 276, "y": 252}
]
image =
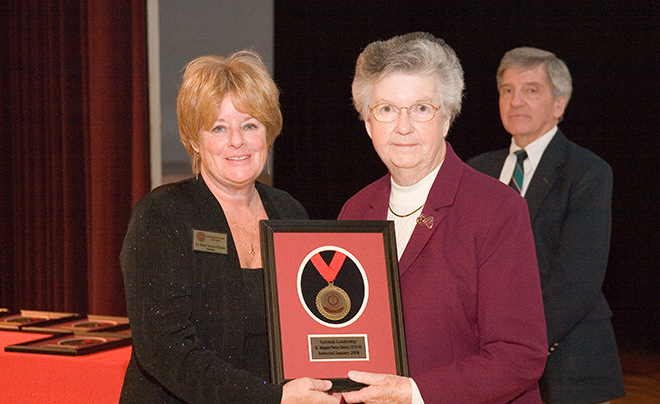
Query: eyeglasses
[{"x": 385, "y": 113}]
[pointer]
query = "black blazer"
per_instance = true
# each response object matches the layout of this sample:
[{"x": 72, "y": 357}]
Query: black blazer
[
  {"x": 569, "y": 201},
  {"x": 187, "y": 307}
]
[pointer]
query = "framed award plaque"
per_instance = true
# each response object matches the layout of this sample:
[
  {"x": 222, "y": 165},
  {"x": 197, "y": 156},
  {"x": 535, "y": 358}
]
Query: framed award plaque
[
  {"x": 333, "y": 300},
  {"x": 89, "y": 323},
  {"x": 73, "y": 344},
  {"x": 26, "y": 318}
]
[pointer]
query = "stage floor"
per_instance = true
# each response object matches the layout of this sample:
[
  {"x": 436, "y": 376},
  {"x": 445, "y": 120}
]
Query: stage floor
[{"x": 641, "y": 376}]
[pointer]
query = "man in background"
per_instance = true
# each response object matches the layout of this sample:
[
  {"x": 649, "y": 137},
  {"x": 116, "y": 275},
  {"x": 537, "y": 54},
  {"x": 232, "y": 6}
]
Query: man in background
[{"x": 568, "y": 191}]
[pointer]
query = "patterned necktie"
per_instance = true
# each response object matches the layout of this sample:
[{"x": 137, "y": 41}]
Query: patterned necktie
[{"x": 518, "y": 172}]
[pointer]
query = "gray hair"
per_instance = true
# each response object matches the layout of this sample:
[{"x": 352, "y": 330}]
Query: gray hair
[
  {"x": 525, "y": 58},
  {"x": 414, "y": 53}
]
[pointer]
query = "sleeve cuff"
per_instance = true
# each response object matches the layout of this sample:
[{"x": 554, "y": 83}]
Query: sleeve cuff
[{"x": 416, "y": 395}]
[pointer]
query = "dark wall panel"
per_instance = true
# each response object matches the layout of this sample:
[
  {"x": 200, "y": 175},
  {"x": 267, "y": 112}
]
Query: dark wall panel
[{"x": 613, "y": 50}]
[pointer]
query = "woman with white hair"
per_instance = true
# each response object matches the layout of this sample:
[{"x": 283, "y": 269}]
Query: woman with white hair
[{"x": 472, "y": 309}]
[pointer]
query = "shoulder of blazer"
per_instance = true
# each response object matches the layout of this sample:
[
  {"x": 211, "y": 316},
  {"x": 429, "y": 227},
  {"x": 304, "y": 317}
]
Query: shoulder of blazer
[
  {"x": 579, "y": 156},
  {"x": 190, "y": 204},
  {"x": 561, "y": 159},
  {"x": 489, "y": 163},
  {"x": 192, "y": 193},
  {"x": 564, "y": 157},
  {"x": 280, "y": 204}
]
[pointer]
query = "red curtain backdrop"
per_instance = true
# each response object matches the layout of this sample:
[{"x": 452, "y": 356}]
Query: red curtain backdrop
[{"x": 74, "y": 153}]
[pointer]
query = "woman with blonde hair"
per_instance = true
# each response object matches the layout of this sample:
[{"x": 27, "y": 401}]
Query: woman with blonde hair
[{"x": 191, "y": 257}]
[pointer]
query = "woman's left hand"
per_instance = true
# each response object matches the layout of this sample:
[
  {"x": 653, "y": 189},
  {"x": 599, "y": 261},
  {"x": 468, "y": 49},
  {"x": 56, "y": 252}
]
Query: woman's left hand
[{"x": 381, "y": 389}]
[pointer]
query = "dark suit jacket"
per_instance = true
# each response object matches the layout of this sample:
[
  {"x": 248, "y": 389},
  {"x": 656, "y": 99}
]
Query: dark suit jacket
[
  {"x": 187, "y": 308},
  {"x": 470, "y": 289},
  {"x": 569, "y": 201}
]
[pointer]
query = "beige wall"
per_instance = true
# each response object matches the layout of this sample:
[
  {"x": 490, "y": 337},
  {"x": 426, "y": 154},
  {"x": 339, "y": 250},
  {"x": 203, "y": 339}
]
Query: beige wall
[{"x": 188, "y": 29}]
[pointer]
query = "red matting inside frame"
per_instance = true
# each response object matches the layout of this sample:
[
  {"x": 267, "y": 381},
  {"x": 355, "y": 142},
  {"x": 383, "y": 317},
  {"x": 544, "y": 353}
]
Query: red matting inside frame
[{"x": 296, "y": 324}]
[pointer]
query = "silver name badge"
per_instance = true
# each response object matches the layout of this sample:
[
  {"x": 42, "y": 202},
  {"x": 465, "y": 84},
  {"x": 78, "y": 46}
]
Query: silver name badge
[{"x": 209, "y": 242}]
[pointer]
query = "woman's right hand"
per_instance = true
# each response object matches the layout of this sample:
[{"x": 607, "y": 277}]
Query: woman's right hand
[{"x": 308, "y": 391}]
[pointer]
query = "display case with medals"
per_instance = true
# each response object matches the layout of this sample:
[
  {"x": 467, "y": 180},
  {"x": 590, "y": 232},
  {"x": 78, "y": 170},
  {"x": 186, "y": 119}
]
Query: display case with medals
[{"x": 333, "y": 300}]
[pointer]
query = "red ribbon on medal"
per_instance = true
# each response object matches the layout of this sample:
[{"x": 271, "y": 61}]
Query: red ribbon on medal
[{"x": 328, "y": 272}]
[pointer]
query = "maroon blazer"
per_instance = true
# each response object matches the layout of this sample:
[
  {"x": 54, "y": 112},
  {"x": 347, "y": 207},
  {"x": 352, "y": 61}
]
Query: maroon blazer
[{"x": 472, "y": 307}]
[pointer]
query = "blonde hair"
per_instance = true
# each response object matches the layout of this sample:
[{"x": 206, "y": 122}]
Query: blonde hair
[{"x": 208, "y": 79}]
